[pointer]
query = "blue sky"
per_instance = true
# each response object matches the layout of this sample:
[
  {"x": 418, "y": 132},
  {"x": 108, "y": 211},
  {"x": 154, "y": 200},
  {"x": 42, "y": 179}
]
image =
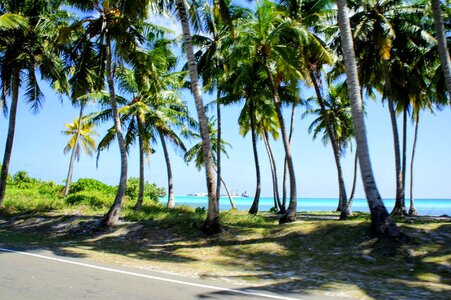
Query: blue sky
[{"x": 39, "y": 143}]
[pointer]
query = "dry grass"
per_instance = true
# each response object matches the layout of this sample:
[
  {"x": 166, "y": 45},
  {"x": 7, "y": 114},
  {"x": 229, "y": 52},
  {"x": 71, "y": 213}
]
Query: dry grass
[{"x": 313, "y": 256}]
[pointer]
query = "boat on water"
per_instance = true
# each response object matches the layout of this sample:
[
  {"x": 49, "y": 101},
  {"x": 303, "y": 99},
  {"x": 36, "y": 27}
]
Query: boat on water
[
  {"x": 198, "y": 195},
  {"x": 244, "y": 195}
]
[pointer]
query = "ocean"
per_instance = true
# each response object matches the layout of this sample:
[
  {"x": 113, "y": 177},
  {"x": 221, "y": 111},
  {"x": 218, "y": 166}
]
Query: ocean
[{"x": 431, "y": 207}]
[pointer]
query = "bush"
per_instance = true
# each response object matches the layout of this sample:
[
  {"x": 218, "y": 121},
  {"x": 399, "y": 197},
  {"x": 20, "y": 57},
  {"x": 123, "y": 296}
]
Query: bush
[
  {"x": 150, "y": 190},
  {"x": 89, "y": 184},
  {"x": 23, "y": 181},
  {"x": 94, "y": 199}
]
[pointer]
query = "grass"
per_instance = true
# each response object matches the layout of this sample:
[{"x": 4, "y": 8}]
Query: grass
[{"x": 314, "y": 256}]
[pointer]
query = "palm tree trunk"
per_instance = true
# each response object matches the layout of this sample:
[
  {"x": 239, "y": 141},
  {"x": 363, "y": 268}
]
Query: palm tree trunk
[
  {"x": 404, "y": 156},
  {"x": 171, "y": 201},
  {"x": 11, "y": 130},
  {"x": 139, "y": 202},
  {"x": 290, "y": 214},
  {"x": 218, "y": 145},
  {"x": 354, "y": 180},
  {"x": 442, "y": 43},
  {"x": 412, "y": 209},
  {"x": 112, "y": 217},
  {"x": 232, "y": 203},
  {"x": 347, "y": 211},
  {"x": 399, "y": 209},
  {"x": 381, "y": 223},
  {"x": 284, "y": 189},
  {"x": 72, "y": 156},
  {"x": 211, "y": 225},
  {"x": 335, "y": 147},
  {"x": 254, "y": 208},
  {"x": 272, "y": 163}
]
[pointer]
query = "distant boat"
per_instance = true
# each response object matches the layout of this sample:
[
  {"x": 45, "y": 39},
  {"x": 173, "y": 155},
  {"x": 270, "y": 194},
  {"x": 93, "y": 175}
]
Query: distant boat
[
  {"x": 198, "y": 195},
  {"x": 244, "y": 195}
]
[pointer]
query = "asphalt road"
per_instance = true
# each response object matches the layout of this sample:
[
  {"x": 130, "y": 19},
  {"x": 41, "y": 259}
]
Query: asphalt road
[{"x": 41, "y": 274}]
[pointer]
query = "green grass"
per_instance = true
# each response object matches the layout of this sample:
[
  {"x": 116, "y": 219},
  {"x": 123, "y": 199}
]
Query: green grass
[{"x": 314, "y": 256}]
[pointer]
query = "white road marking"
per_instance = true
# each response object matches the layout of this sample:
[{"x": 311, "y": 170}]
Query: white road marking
[{"x": 210, "y": 287}]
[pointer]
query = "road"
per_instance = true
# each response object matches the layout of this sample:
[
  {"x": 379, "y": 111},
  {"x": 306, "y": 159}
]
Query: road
[{"x": 39, "y": 274}]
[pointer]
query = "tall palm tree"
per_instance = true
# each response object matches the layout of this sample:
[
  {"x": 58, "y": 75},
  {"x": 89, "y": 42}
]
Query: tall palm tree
[
  {"x": 374, "y": 29},
  {"x": 263, "y": 40},
  {"x": 212, "y": 64},
  {"x": 115, "y": 27},
  {"x": 29, "y": 41},
  {"x": 81, "y": 137},
  {"x": 211, "y": 225},
  {"x": 381, "y": 223},
  {"x": 442, "y": 43}
]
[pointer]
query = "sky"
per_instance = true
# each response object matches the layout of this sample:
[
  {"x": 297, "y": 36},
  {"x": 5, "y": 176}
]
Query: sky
[{"x": 39, "y": 143}]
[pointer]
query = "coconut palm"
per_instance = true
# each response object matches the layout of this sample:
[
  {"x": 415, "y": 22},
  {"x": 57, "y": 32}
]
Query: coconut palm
[
  {"x": 211, "y": 225},
  {"x": 29, "y": 41},
  {"x": 381, "y": 223},
  {"x": 195, "y": 153},
  {"x": 442, "y": 43},
  {"x": 211, "y": 58},
  {"x": 81, "y": 135},
  {"x": 115, "y": 27},
  {"x": 374, "y": 29},
  {"x": 264, "y": 40},
  {"x": 267, "y": 124},
  {"x": 334, "y": 120},
  {"x": 154, "y": 109}
]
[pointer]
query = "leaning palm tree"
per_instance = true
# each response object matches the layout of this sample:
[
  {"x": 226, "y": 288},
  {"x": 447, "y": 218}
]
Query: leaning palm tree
[
  {"x": 81, "y": 138},
  {"x": 195, "y": 153},
  {"x": 211, "y": 225},
  {"x": 334, "y": 122},
  {"x": 381, "y": 223},
  {"x": 29, "y": 41}
]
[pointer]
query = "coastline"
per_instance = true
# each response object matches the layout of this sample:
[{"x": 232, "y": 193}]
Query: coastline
[{"x": 431, "y": 207}]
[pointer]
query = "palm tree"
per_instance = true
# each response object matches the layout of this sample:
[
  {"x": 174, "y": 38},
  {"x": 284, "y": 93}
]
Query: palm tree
[
  {"x": 211, "y": 225},
  {"x": 116, "y": 28},
  {"x": 28, "y": 42},
  {"x": 381, "y": 223},
  {"x": 263, "y": 40},
  {"x": 80, "y": 133},
  {"x": 442, "y": 43},
  {"x": 211, "y": 60},
  {"x": 154, "y": 109},
  {"x": 334, "y": 122},
  {"x": 259, "y": 117},
  {"x": 374, "y": 30},
  {"x": 195, "y": 153}
]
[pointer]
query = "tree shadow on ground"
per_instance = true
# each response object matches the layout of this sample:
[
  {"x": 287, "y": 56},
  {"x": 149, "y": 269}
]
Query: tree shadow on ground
[{"x": 307, "y": 258}]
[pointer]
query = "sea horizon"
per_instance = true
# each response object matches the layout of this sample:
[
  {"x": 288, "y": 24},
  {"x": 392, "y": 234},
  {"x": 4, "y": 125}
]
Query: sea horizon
[{"x": 424, "y": 206}]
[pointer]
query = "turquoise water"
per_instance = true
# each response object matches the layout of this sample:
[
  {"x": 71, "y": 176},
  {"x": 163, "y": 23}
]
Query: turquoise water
[{"x": 431, "y": 207}]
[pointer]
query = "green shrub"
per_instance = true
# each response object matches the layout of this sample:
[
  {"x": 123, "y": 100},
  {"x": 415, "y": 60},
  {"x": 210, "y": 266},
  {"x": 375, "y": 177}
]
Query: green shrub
[
  {"x": 150, "y": 190},
  {"x": 23, "y": 181},
  {"x": 89, "y": 184},
  {"x": 93, "y": 199},
  {"x": 31, "y": 200},
  {"x": 200, "y": 211}
]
